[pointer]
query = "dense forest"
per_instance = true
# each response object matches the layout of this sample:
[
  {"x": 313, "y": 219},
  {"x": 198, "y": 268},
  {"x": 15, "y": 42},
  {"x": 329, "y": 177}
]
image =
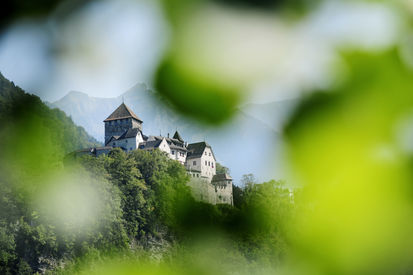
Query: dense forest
[{"x": 65, "y": 214}]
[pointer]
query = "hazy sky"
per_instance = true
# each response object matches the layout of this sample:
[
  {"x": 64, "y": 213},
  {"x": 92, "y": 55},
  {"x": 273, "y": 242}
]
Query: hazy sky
[
  {"x": 109, "y": 46},
  {"x": 103, "y": 50}
]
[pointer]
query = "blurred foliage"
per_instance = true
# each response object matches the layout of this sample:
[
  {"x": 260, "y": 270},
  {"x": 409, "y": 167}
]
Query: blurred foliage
[
  {"x": 294, "y": 6},
  {"x": 346, "y": 148},
  {"x": 193, "y": 94},
  {"x": 212, "y": 59},
  {"x": 13, "y": 10}
]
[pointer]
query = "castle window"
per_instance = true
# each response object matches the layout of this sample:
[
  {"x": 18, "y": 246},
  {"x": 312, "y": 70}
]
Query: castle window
[
  {"x": 212, "y": 164},
  {"x": 126, "y": 141},
  {"x": 205, "y": 153},
  {"x": 194, "y": 163},
  {"x": 209, "y": 163},
  {"x": 173, "y": 152},
  {"x": 209, "y": 154},
  {"x": 113, "y": 144},
  {"x": 206, "y": 163}
]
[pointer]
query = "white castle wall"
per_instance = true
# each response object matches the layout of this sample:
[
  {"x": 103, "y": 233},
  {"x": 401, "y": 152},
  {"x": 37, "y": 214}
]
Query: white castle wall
[{"x": 208, "y": 165}]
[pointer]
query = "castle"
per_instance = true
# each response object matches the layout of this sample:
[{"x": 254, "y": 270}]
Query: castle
[{"x": 123, "y": 129}]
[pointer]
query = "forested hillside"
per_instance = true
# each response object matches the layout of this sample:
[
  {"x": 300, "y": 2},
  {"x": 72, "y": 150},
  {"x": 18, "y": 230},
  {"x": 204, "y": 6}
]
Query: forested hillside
[{"x": 16, "y": 106}]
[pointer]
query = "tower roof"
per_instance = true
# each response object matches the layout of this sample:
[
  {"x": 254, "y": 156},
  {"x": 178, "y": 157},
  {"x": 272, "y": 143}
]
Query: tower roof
[
  {"x": 121, "y": 112},
  {"x": 195, "y": 150},
  {"x": 178, "y": 137}
]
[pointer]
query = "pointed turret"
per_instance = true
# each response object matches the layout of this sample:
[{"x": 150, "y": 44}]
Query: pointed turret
[{"x": 178, "y": 136}]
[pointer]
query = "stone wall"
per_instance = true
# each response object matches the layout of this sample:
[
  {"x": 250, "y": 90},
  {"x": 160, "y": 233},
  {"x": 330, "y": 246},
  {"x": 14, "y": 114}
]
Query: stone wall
[
  {"x": 224, "y": 192},
  {"x": 119, "y": 126},
  {"x": 116, "y": 128},
  {"x": 217, "y": 193},
  {"x": 202, "y": 190}
]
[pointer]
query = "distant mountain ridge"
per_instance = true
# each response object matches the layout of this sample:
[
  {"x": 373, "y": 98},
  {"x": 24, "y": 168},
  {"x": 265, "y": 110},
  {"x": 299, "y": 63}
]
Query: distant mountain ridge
[
  {"x": 273, "y": 114},
  {"x": 245, "y": 144}
]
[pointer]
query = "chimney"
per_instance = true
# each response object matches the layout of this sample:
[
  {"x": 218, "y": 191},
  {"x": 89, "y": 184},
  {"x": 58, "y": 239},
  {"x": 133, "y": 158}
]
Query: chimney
[{"x": 168, "y": 135}]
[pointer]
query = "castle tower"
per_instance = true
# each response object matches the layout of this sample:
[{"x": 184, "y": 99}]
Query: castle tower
[{"x": 121, "y": 120}]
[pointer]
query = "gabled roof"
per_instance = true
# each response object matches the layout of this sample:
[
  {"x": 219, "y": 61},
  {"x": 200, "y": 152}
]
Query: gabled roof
[
  {"x": 121, "y": 112},
  {"x": 148, "y": 145},
  {"x": 176, "y": 147},
  {"x": 195, "y": 150},
  {"x": 221, "y": 177},
  {"x": 130, "y": 133},
  {"x": 178, "y": 137},
  {"x": 171, "y": 142},
  {"x": 112, "y": 138}
]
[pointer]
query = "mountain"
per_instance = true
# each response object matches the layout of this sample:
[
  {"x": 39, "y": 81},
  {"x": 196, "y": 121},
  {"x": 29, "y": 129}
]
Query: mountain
[
  {"x": 34, "y": 135},
  {"x": 246, "y": 144},
  {"x": 273, "y": 114}
]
